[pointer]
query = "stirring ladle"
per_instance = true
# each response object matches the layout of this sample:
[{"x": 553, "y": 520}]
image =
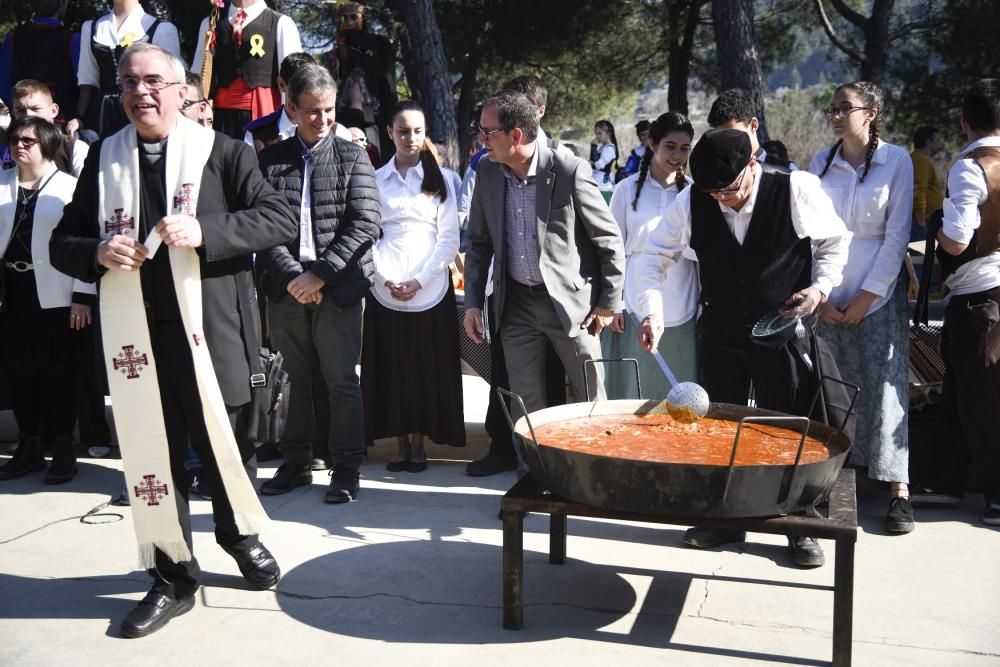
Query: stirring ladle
[{"x": 687, "y": 402}]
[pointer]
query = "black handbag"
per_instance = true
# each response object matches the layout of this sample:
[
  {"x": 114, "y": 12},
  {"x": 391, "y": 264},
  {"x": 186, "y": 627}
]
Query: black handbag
[{"x": 270, "y": 389}]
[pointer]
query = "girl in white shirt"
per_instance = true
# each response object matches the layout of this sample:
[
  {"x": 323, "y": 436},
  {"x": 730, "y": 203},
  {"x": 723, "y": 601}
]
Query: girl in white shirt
[
  {"x": 604, "y": 156},
  {"x": 411, "y": 377},
  {"x": 865, "y": 320},
  {"x": 637, "y": 205}
]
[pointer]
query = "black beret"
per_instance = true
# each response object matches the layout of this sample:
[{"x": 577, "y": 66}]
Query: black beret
[{"x": 719, "y": 157}]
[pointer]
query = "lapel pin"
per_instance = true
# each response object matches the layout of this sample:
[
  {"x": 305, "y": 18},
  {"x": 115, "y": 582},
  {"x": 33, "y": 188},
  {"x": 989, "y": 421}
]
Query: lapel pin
[{"x": 548, "y": 181}]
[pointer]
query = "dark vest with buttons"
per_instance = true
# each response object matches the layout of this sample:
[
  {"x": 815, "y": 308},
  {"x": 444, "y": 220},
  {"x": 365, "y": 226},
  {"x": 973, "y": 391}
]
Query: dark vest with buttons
[
  {"x": 986, "y": 239},
  {"x": 741, "y": 284},
  {"x": 108, "y": 57},
  {"x": 232, "y": 59}
]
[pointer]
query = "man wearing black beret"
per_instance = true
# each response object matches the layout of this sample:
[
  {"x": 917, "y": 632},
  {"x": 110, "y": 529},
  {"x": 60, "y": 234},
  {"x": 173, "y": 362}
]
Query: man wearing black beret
[{"x": 766, "y": 244}]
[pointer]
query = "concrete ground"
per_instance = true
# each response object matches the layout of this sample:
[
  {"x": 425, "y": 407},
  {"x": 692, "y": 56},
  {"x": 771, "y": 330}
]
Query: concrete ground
[{"x": 410, "y": 573}]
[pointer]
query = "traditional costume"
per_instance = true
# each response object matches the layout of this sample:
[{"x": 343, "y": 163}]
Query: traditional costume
[{"x": 247, "y": 49}]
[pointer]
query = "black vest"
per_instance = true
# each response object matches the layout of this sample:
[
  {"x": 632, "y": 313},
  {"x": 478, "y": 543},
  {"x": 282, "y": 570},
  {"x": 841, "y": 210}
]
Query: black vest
[
  {"x": 741, "y": 284},
  {"x": 108, "y": 57},
  {"x": 42, "y": 52},
  {"x": 266, "y": 134},
  {"x": 232, "y": 59}
]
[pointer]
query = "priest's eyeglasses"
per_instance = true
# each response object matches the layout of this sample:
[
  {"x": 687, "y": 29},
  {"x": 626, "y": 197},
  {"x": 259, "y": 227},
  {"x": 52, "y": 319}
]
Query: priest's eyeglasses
[
  {"x": 837, "y": 112},
  {"x": 154, "y": 84}
]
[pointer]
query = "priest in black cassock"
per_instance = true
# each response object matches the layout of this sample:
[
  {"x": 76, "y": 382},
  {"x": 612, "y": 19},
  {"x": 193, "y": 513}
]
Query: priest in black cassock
[{"x": 178, "y": 205}]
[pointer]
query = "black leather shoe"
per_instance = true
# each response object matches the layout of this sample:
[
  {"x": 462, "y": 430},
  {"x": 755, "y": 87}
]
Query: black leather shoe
[
  {"x": 490, "y": 465},
  {"x": 289, "y": 476},
  {"x": 63, "y": 467},
  {"x": 806, "y": 552},
  {"x": 345, "y": 483},
  {"x": 27, "y": 459},
  {"x": 256, "y": 563},
  {"x": 320, "y": 464},
  {"x": 153, "y": 612},
  {"x": 269, "y": 451},
  {"x": 416, "y": 466},
  {"x": 710, "y": 538}
]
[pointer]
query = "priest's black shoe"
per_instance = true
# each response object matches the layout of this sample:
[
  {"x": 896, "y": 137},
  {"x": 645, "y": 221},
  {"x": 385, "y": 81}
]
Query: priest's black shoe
[
  {"x": 27, "y": 459},
  {"x": 153, "y": 612},
  {"x": 255, "y": 562}
]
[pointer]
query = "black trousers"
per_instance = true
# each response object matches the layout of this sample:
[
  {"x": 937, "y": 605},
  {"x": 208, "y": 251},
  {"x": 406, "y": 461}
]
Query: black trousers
[
  {"x": 497, "y": 428},
  {"x": 785, "y": 377},
  {"x": 90, "y": 413},
  {"x": 185, "y": 424},
  {"x": 968, "y": 429},
  {"x": 44, "y": 405}
]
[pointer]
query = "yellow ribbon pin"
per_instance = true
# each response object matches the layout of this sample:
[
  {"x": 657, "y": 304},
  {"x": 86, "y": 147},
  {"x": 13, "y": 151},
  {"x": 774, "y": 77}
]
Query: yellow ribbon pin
[
  {"x": 128, "y": 39},
  {"x": 257, "y": 46}
]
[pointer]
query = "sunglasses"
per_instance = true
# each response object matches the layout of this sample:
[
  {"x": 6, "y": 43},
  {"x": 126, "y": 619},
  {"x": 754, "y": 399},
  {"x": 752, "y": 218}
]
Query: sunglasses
[{"x": 27, "y": 142}]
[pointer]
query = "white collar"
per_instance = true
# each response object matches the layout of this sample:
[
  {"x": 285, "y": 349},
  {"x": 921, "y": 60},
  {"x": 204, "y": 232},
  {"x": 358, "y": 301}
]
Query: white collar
[
  {"x": 253, "y": 11},
  {"x": 285, "y": 122},
  {"x": 981, "y": 143},
  {"x": 533, "y": 167},
  {"x": 878, "y": 157},
  {"x": 417, "y": 169}
]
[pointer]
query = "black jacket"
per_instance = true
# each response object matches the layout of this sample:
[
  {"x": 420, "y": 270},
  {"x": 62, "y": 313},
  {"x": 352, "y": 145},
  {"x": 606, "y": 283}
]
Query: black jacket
[
  {"x": 240, "y": 214},
  {"x": 346, "y": 218}
]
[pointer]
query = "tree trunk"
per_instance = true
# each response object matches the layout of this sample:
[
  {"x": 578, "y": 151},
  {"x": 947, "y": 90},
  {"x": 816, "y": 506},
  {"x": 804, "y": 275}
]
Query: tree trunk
[
  {"x": 739, "y": 64},
  {"x": 877, "y": 41},
  {"x": 467, "y": 103},
  {"x": 682, "y": 21},
  {"x": 431, "y": 70}
]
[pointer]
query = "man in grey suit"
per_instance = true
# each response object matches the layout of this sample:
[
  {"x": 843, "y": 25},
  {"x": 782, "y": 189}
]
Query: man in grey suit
[{"x": 560, "y": 263}]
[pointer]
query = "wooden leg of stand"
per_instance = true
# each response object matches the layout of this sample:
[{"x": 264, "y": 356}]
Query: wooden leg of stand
[
  {"x": 843, "y": 604},
  {"x": 513, "y": 570},
  {"x": 557, "y": 539}
]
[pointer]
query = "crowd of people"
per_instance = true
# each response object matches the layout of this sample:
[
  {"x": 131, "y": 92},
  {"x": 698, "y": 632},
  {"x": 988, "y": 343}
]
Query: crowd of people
[{"x": 187, "y": 249}]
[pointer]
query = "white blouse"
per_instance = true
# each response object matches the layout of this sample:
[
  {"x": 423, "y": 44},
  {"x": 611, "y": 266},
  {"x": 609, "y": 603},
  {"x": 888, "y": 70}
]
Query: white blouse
[
  {"x": 132, "y": 28},
  {"x": 419, "y": 238},
  {"x": 878, "y": 213},
  {"x": 679, "y": 295}
]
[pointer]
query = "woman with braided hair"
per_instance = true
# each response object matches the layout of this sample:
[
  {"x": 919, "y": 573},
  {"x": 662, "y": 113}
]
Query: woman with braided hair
[
  {"x": 637, "y": 204},
  {"x": 864, "y": 318}
]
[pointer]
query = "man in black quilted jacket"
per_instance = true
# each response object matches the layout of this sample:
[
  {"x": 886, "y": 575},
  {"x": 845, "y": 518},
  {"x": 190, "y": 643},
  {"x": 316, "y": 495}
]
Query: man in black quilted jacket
[{"x": 315, "y": 284}]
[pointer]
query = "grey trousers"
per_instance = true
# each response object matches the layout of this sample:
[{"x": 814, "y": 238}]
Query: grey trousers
[
  {"x": 328, "y": 337},
  {"x": 528, "y": 323}
]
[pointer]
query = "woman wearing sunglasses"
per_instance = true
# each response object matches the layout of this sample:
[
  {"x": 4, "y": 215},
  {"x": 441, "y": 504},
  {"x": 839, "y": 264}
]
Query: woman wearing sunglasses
[
  {"x": 864, "y": 320},
  {"x": 41, "y": 309}
]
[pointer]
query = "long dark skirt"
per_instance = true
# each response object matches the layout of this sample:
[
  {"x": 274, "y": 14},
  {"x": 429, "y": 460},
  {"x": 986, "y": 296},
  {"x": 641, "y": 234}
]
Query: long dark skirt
[{"x": 411, "y": 373}]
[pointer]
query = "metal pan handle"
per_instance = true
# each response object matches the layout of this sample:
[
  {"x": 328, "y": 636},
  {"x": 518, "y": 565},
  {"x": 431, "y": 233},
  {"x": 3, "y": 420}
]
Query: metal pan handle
[
  {"x": 626, "y": 360},
  {"x": 850, "y": 407},
  {"x": 764, "y": 419},
  {"x": 501, "y": 392}
]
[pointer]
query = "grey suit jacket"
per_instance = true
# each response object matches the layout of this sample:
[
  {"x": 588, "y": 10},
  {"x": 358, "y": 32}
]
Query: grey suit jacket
[{"x": 582, "y": 258}]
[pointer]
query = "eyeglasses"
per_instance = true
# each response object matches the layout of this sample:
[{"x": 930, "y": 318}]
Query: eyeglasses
[
  {"x": 487, "y": 134},
  {"x": 27, "y": 142},
  {"x": 727, "y": 192},
  {"x": 190, "y": 103},
  {"x": 353, "y": 17},
  {"x": 154, "y": 84},
  {"x": 835, "y": 112}
]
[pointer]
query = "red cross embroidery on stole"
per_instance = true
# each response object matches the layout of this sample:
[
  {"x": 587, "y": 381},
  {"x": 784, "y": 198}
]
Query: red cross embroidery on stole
[
  {"x": 129, "y": 362},
  {"x": 151, "y": 490},
  {"x": 183, "y": 202},
  {"x": 120, "y": 224},
  {"x": 198, "y": 340}
]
